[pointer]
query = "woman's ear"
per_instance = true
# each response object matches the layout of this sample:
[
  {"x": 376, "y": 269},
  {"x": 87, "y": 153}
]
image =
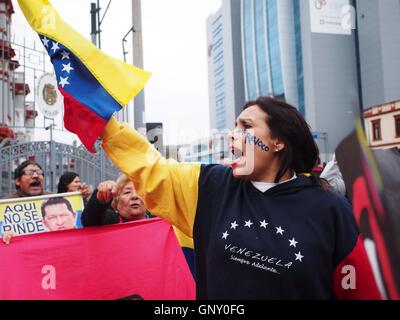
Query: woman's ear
[{"x": 278, "y": 145}]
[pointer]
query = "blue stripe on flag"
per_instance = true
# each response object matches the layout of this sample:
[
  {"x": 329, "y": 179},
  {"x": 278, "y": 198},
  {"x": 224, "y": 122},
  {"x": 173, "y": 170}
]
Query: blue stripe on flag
[{"x": 73, "y": 76}]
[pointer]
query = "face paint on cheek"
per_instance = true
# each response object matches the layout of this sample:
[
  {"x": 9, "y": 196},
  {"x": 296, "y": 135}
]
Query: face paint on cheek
[{"x": 250, "y": 139}]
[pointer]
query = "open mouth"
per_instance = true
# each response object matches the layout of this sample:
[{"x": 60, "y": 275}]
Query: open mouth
[
  {"x": 34, "y": 184},
  {"x": 237, "y": 153},
  {"x": 238, "y": 157},
  {"x": 135, "y": 206}
]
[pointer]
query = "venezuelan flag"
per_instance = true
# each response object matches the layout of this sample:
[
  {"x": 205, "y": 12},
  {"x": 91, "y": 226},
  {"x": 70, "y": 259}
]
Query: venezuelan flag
[{"x": 94, "y": 85}]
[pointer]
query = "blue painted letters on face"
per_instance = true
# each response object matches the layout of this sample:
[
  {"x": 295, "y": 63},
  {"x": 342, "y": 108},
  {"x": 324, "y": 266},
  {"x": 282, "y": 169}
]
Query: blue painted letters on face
[{"x": 251, "y": 139}]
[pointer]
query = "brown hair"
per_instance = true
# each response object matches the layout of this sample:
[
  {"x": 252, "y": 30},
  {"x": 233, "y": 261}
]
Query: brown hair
[
  {"x": 19, "y": 171},
  {"x": 287, "y": 124}
]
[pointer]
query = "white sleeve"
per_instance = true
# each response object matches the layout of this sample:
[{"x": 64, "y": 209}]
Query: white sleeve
[{"x": 333, "y": 175}]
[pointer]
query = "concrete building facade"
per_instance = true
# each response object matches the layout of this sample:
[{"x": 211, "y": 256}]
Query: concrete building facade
[
  {"x": 379, "y": 43},
  {"x": 382, "y": 125}
]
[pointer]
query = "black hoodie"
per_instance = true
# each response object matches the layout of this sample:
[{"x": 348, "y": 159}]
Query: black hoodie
[
  {"x": 290, "y": 242},
  {"x": 295, "y": 241}
]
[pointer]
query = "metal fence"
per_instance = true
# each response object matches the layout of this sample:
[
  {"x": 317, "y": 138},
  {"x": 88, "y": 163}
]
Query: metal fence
[{"x": 55, "y": 158}]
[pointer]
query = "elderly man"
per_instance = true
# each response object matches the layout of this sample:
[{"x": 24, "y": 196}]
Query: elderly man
[{"x": 29, "y": 181}]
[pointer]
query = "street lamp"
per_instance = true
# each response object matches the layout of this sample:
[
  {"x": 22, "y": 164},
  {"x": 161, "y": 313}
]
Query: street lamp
[
  {"x": 95, "y": 13},
  {"x": 52, "y": 155},
  {"x": 51, "y": 127},
  {"x": 132, "y": 29}
]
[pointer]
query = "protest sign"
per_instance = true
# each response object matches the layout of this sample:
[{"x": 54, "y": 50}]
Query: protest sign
[{"x": 40, "y": 214}]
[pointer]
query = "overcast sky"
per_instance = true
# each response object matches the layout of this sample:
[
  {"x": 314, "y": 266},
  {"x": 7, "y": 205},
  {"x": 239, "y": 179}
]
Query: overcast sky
[{"x": 175, "y": 52}]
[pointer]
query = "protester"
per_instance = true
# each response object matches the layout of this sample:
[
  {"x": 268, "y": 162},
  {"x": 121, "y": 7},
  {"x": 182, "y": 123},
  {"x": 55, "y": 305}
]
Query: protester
[
  {"x": 263, "y": 229},
  {"x": 118, "y": 202},
  {"x": 126, "y": 204},
  {"x": 29, "y": 181},
  {"x": 70, "y": 182}
]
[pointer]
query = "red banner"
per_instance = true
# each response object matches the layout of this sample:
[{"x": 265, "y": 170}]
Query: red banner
[{"x": 133, "y": 261}]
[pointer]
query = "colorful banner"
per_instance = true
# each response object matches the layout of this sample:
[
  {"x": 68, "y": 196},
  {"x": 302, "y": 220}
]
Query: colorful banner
[
  {"x": 32, "y": 215},
  {"x": 130, "y": 261},
  {"x": 374, "y": 209}
]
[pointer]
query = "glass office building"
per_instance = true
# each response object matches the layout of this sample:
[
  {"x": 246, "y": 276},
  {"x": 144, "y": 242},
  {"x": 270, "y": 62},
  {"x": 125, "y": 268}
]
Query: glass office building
[
  {"x": 283, "y": 55},
  {"x": 267, "y": 71}
]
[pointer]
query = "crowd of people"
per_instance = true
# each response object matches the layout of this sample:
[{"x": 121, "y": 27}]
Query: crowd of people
[
  {"x": 267, "y": 226},
  {"x": 112, "y": 202},
  {"x": 57, "y": 212}
]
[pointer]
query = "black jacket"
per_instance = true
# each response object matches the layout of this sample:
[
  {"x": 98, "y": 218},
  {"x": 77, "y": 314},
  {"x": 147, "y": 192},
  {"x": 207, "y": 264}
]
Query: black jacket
[{"x": 97, "y": 213}]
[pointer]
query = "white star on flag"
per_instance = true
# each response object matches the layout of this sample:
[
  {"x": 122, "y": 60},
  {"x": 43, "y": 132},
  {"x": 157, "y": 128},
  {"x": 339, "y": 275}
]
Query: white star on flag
[
  {"x": 225, "y": 235},
  {"x": 55, "y": 47},
  {"x": 299, "y": 256},
  {"x": 263, "y": 224},
  {"x": 65, "y": 55},
  {"x": 248, "y": 223},
  {"x": 234, "y": 225},
  {"x": 280, "y": 230},
  {"x": 46, "y": 42},
  {"x": 293, "y": 243},
  {"x": 64, "y": 81},
  {"x": 67, "y": 67}
]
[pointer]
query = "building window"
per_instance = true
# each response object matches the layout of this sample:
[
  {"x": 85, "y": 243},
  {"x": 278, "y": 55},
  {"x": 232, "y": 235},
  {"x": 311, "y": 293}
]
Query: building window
[
  {"x": 299, "y": 57},
  {"x": 397, "y": 125},
  {"x": 274, "y": 48},
  {"x": 249, "y": 38},
  {"x": 376, "y": 130}
]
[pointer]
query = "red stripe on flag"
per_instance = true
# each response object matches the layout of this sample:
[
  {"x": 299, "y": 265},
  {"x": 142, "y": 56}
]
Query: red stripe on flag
[{"x": 82, "y": 121}]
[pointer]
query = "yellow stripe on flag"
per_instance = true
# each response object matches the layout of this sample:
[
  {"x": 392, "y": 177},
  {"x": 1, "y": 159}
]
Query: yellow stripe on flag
[{"x": 121, "y": 80}]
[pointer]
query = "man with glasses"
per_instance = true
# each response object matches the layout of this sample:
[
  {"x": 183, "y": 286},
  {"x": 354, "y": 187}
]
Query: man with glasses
[{"x": 29, "y": 181}]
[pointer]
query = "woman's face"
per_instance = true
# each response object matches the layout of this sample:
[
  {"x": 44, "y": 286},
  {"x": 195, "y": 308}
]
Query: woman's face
[
  {"x": 130, "y": 205},
  {"x": 254, "y": 150},
  {"x": 75, "y": 185}
]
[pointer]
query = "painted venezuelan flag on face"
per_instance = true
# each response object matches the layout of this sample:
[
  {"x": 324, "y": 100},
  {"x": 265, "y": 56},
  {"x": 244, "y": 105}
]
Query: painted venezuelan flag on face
[{"x": 94, "y": 85}]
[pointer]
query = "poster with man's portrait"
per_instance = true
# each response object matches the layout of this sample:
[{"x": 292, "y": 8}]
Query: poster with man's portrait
[{"x": 31, "y": 215}]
